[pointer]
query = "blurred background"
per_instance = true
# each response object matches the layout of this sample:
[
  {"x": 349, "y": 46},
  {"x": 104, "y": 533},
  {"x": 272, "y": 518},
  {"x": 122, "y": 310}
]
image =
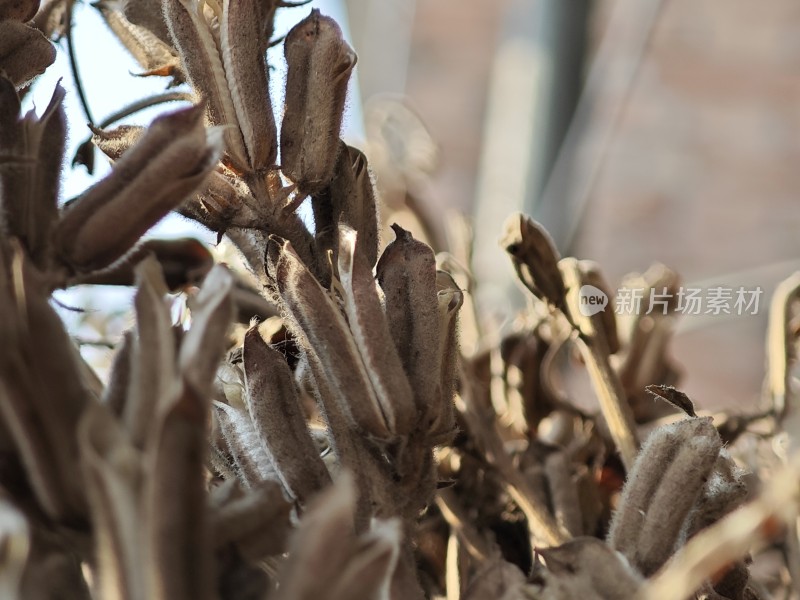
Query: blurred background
[{"x": 636, "y": 131}]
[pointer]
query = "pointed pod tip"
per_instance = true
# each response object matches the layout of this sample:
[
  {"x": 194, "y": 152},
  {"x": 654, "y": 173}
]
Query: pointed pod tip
[{"x": 400, "y": 233}]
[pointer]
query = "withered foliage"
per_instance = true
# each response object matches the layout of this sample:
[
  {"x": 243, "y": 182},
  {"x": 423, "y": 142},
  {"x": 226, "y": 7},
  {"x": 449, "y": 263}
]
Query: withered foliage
[{"x": 337, "y": 423}]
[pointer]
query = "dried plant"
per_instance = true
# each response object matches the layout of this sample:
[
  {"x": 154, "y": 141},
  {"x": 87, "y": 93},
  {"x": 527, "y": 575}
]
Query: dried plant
[{"x": 324, "y": 427}]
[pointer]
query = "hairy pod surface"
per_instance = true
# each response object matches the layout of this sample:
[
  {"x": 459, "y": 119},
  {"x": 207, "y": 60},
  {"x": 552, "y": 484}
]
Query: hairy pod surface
[
  {"x": 246, "y": 70},
  {"x": 407, "y": 275},
  {"x": 319, "y": 325},
  {"x": 151, "y": 179},
  {"x": 535, "y": 258},
  {"x": 277, "y": 415},
  {"x": 319, "y": 66}
]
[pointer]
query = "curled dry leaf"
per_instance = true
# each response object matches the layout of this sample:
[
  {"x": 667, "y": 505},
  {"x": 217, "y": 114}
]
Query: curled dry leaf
[{"x": 154, "y": 55}]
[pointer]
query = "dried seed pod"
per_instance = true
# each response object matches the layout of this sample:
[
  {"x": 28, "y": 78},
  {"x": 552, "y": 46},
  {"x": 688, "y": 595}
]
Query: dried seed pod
[
  {"x": 195, "y": 42},
  {"x": 29, "y": 180},
  {"x": 407, "y": 274},
  {"x": 115, "y": 394},
  {"x": 147, "y": 14},
  {"x": 372, "y": 336},
  {"x": 278, "y": 417},
  {"x": 153, "y": 55},
  {"x": 587, "y": 568},
  {"x": 318, "y": 324},
  {"x": 322, "y": 543},
  {"x": 563, "y": 493},
  {"x": 112, "y": 472},
  {"x": 246, "y": 72},
  {"x": 18, "y": 10},
  {"x": 348, "y": 200},
  {"x": 203, "y": 345},
  {"x": 450, "y": 298},
  {"x": 115, "y": 142},
  {"x": 154, "y": 362},
  {"x": 535, "y": 258},
  {"x": 666, "y": 479},
  {"x": 255, "y": 521},
  {"x": 42, "y": 392},
  {"x": 606, "y": 321},
  {"x": 168, "y": 164},
  {"x": 174, "y": 500},
  {"x": 235, "y": 438},
  {"x": 24, "y": 52},
  {"x": 319, "y": 65},
  {"x": 183, "y": 262}
]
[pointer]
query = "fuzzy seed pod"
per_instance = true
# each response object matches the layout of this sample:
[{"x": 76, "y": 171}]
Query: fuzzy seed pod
[
  {"x": 24, "y": 52},
  {"x": 348, "y": 200},
  {"x": 277, "y": 415},
  {"x": 18, "y": 10},
  {"x": 246, "y": 71},
  {"x": 407, "y": 274},
  {"x": 666, "y": 479},
  {"x": 170, "y": 162},
  {"x": 29, "y": 180},
  {"x": 319, "y": 66},
  {"x": 535, "y": 258}
]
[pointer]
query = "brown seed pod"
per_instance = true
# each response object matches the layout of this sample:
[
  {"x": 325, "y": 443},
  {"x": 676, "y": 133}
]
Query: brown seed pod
[
  {"x": 246, "y": 71},
  {"x": 348, "y": 200},
  {"x": 277, "y": 415},
  {"x": 170, "y": 162},
  {"x": 319, "y": 66},
  {"x": 407, "y": 274},
  {"x": 535, "y": 258}
]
